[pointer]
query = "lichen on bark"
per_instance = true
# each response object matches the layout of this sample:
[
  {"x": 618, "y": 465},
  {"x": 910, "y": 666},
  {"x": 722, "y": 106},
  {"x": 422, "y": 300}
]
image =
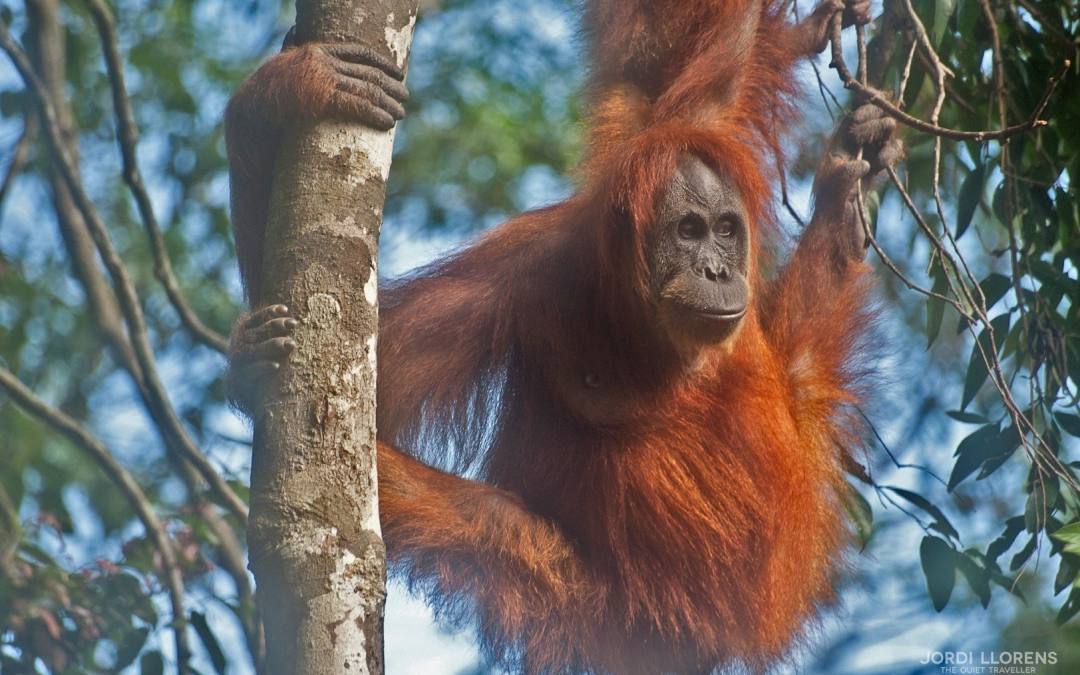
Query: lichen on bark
[{"x": 316, "y": 548}]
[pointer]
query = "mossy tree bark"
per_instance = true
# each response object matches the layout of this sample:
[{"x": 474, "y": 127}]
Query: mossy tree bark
[{"x": 314, "y": 537}]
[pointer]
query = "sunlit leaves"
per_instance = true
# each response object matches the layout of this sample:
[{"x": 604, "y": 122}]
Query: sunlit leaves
[{"x": 1069, "y": 535}]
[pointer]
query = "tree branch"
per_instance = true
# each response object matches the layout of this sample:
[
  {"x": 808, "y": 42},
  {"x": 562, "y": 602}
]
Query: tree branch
[
  {"x": 874, "y": 96},
  {"x": 1053, "y": 31},
  {"x": 19, "y": 156},
  {"x": 157, "y": 400},
  {"x": 136, "y": 498},
  {"x": 127, "y": 134},
  {"x": 10, "y": 533},
  {"x": 47, "y": 36}
]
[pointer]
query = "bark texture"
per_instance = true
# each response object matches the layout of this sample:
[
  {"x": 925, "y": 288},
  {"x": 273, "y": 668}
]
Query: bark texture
[{"x": 316, "y": 547}]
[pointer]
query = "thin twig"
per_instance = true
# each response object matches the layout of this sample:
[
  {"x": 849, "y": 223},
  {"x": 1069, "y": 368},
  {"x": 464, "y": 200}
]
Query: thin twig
[
  {"x": 906, "y": 76},
  {"x": 19, "y": 156},
  {"x": 1019, "y": 418},
  {"x": 875, "y": 97},
  {"x": 127, "y": 134},
  {"x": 1051, "y": 30},
  {"x": 860, "y": 41},
  {"x": 158, "y": 401},
  {"x": 892, "y": 457},
  {"x": 922, "y": 38},
  {"x": 136, "y": 498},
  {"x": 784, "y": 192},
  {"x": 10, "y": 533},
  {"x": 823, "y": 89},
  {"x": 889, "y": 263},
  {"x": 926, "y": 49},
  {"x": 1039, "y": 451},
  {"x": 977, "y": 306},
  {"x": 954, "y": 95},
  {"x": 887, "y": 501}
]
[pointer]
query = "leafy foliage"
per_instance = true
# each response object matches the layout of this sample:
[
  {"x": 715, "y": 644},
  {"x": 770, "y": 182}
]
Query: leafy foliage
[{"x": 999, "y": 244}]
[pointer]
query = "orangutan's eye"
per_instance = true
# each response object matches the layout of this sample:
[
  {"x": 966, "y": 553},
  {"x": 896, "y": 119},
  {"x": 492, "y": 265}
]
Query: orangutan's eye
[{"x": 692, "y": 226}]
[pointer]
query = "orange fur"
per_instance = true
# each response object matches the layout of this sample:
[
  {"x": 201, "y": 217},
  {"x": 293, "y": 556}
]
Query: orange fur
[
  {"x": 290, "y": 86},
  {"x": 684, "y": 516},
  {"x": 700, "y": 529},
  {"x": 697, "y": 61}
]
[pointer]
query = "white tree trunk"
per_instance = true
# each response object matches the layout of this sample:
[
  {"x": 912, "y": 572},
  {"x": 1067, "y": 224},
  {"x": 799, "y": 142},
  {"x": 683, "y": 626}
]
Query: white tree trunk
[{"x": 316, "y": 546}]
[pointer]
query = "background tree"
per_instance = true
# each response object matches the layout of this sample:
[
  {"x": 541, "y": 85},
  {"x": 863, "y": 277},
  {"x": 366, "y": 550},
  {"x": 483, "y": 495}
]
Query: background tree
[{"x": 123, "y": 476}]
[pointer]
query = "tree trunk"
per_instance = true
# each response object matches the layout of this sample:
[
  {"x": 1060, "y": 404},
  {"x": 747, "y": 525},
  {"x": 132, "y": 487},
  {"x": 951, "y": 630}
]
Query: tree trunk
[{"x": 316, "y": 547}]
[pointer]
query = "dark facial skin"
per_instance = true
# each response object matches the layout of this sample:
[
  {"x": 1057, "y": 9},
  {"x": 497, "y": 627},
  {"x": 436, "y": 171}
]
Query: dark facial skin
[{"x": 699, "y": 254}]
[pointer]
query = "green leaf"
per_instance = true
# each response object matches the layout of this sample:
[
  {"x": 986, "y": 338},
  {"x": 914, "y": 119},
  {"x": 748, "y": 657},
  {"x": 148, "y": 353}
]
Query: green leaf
[
  {"x": 1070, "y": 423},
  {"x": 994, "y": 287},
  {"x": 1007, "y": 443},
  {"x": 152, "y": 663},
  {"x": 978, "y": 578},
  {"x": 1040, "y": 504},
  {"x": 1069, "y": 223},
  {"x": 999, "y": 205},
  {"x": 966, "y": 417},
  {"x": 944, "y": 526},
  {"x": 943, "y": 10},
  {"x": 129, "y": 647},
  {"x": 935, "y": 308},
  {"x": 213, "y": 648},
  {"x": 1070, "y": 536},
  {"x": 977, "y": 371},
  {"x": 1070, "y": 608},
  {"x": 1020, "y": 558},
  {"x": 1066, "y": 574},
  {"x": 968, "y": 200},
  {"x": 1053, "y": 278},
  {"x": 967, "y": 16},
  {"x": 860, "y": 512},
  {"x": 939, "y": 567},
  {"x": 976, "y": 448},
  {"x": 1013, "y": 527},
  {"x": 128, "y": 595}
]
